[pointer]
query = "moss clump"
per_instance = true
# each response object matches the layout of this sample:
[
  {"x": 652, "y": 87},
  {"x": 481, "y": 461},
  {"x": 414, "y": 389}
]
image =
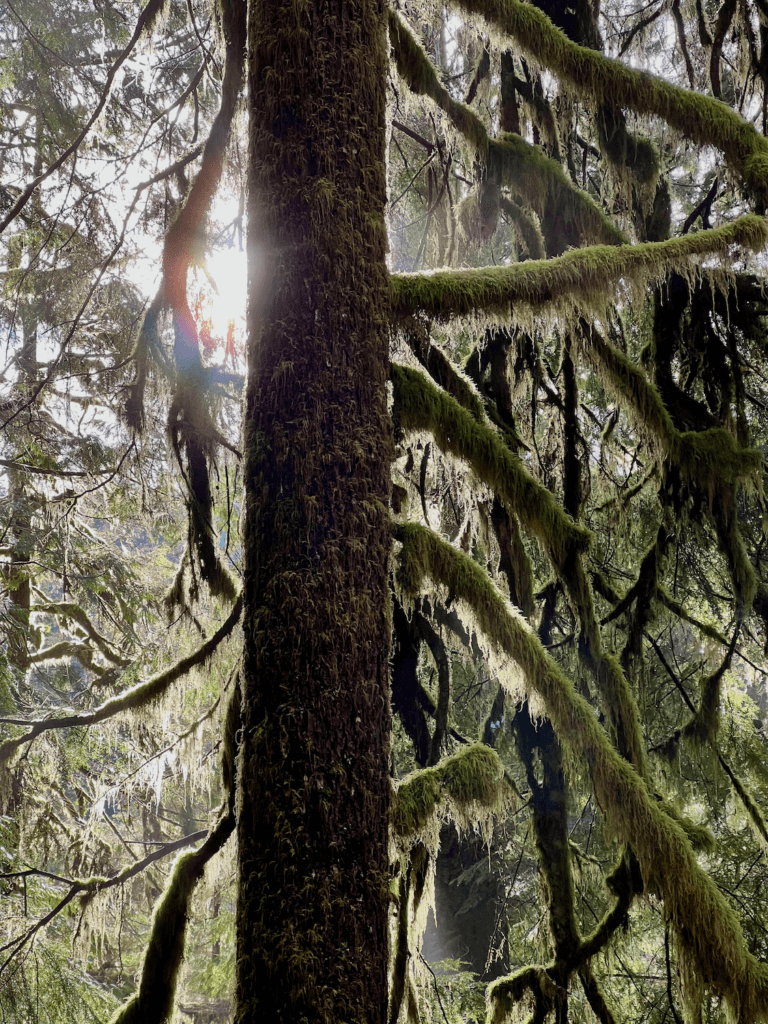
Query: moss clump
[
  {"x": 606, "y": 81},
  {"x": 707, "y": 929},
  {"x": 464, "y": 785},
  {"x": 579, "y": 275},
  {"x": 419, "y": 405},
  {"x": 715, "y": 456}
]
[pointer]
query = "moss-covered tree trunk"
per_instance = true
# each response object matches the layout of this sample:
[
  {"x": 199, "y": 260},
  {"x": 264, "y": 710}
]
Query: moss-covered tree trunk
[{"x": 313, "y": 802}]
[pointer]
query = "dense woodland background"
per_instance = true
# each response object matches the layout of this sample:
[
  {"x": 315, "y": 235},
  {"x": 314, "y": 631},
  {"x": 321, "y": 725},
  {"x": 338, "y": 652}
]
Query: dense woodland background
[{"x": 586, "y": 434}]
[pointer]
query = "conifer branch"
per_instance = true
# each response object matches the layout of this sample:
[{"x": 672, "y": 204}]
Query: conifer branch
[
  {"x": 705, "y": 925},
  {"x": 132, "y": 699},
  {"x": 93, "y": 885},
  {"x": 605, "y": 81},
  {"x": 712, "y": 460},
  {"x": 580, "y": 276},
  {"x": 146, "y": 20}
]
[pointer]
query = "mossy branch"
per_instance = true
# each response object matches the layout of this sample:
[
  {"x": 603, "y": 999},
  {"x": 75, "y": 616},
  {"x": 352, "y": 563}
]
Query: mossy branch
[
  {"x": 132, "y": 699},
  {"x": 706, "y": 926},
  {"x": 153, "y": 1003},
  {"x": 578, "y": 275},
  {"x": 605, "y": 81},
  {"x": 441, "y": 368},
  {"x": 712, "y": 460},
  {"x": 705, "y": 723},
  {"x": 462, "y": 787},
  {"x": 664, "y": 597},
  {"x": 89, "y": 886},
  {"x": 511, "y": 160},
  {"x": 419, "y": 405},
  {"x": 70, "y": 610}
]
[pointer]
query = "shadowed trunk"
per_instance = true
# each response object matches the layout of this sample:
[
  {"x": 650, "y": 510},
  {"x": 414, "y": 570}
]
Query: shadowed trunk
[{"x": 313, "y": 803}]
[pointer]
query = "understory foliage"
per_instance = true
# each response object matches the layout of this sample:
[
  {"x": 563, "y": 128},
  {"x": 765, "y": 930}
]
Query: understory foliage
[{"x": 575, "y": 298}]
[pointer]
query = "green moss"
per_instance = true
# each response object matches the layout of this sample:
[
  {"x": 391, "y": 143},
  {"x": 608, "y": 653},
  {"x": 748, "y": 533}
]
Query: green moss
[
  {"x": 419, "y": 405},
  {"x": 714, "y": 456},
  {"x": 504, "y": 994},
  {"x": 699, "y": 835},
  {"x": 707, "y": 121},
  {"x": 538, "y": 180},
  {"x": 526, "y": 227},
  {"x": 511, "y": 161},
  {"x": 441, "y": 368},
  {"x": 153, "y": 1004},
  {"x": 460, "y": 786},
  {"x": 581, "y": 274},
  {"x": 706, "y": 927},
  {"x": 415, "y": 68}
]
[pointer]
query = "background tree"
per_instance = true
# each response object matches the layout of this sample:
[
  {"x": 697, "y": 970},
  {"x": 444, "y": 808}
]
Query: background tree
[{"x": 578, "y": 610}]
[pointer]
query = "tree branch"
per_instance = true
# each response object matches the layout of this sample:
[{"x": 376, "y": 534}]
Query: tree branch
[{"x": 136, "y": 697}]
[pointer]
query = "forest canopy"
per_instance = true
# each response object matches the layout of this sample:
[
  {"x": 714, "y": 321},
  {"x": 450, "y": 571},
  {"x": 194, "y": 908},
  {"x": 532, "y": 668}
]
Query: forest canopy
[{"x": 384, "y": 635}]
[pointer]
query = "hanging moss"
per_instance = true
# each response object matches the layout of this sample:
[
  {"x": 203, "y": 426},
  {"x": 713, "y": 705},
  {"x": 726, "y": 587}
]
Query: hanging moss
[
  {"x": 543, "y": 183},
  {"x": 581, "y": 275},
  {"x": 706, "y": 926},
  {"x": 665, "y": 598},
  {"x": 625, "y": 150},
  {"x": 705, "y": 723},
  {"x": 714, "y": 456},
  {"x": 606, "y": 81},
  {"x": 526, "y": 226},
  {"x": 419, "y": 405},
  {"x": 700, "y": 836},
  {"x": 711, "y": 460},
  {"x": 154, "y": 1001},
  {"x": 753, "y": 813},
  {"x": 415, "y": 68},
  {"x": 136, "y": 697},
  {"x": 458, "y": 787},
  {"x": 511, "y": 160},
  {"x": 504, "y": 995}
]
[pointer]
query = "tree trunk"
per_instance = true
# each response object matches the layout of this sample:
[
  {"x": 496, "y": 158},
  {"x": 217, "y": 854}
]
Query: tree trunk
[{"x": 313, "y": 800}]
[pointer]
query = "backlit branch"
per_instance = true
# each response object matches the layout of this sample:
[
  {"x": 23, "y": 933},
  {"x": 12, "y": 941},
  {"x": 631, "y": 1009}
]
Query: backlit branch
[{"x": 134, "y": 698}]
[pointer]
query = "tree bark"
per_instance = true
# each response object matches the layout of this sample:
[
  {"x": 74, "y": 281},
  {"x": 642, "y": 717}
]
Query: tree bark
[{"x": 313, "y": 801}]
